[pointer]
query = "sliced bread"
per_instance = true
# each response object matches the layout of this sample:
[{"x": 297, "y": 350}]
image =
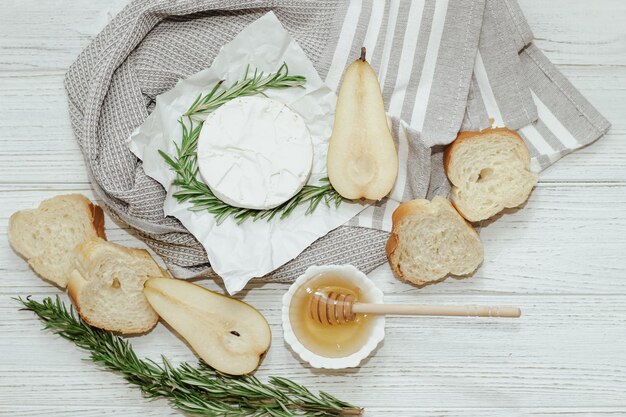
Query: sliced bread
[
  {"x": 430, "y": 240},
  {"x": 107, "y": 286},
  {"x": 489, "y": 171},
  {"x": 46, "y": 236}
]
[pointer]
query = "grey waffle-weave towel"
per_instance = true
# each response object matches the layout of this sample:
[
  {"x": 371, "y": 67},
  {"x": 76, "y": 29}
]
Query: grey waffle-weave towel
[{"x": 424, "y": 52}]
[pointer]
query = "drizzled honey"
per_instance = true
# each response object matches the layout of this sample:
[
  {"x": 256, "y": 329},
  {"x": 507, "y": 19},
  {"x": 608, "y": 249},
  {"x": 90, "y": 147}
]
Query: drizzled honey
[{"x": 325, "y": 340}]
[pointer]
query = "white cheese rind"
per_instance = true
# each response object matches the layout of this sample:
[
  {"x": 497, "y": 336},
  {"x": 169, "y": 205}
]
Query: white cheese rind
[{"x": 254, "y": 152}]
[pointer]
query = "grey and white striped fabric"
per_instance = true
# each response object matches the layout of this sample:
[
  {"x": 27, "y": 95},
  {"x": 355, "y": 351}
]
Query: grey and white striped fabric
[
  {"x": 526, "y": 92},
  {"x": 502, "y": 91},
  {"x": 498, "y": 71},
  {"x": 424, "y": 51},
  {"x": 566, "y": 120}
]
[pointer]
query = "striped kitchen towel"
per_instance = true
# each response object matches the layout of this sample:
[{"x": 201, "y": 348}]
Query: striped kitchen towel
[
  {"x": 566, "y": 122},
  {"x": 498, "y": 71},
  {"x": 528, "y": 94},
  {"x": 423, "y": 52},
  {"x": 513, "y": 85}
]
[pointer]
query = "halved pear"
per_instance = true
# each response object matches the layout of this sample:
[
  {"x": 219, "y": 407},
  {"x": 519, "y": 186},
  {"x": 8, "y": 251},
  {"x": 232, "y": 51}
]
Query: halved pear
[
  {"x": 362, "y": 159},
  {"x": 228, "y": 334}
]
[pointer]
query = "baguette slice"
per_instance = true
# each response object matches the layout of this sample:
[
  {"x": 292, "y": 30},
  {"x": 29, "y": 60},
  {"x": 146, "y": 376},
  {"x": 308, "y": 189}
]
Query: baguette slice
[
  {"x": 489, "y": 172},
  {"x": 46, "y": 236},
  {"x": 430, "y": 240},
  {"x": 107, "y": 286}
]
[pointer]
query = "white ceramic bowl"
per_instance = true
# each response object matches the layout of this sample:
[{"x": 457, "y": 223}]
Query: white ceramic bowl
[{"x": 371, "y": 294}]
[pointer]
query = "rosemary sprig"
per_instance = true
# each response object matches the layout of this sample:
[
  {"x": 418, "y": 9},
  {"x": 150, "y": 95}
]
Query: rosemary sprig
[
  {"x": 185, "y": 162},
  {"x": 197, "y": 390},
  {"x": 257, "y": 84}
]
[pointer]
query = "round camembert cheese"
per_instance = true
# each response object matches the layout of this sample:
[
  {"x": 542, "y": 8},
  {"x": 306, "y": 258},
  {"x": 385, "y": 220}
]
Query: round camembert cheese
[{"x": 254, "y": 152}]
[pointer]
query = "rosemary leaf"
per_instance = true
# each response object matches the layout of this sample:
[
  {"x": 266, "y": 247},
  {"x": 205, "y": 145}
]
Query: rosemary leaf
[{"x": 196, "y": 390}]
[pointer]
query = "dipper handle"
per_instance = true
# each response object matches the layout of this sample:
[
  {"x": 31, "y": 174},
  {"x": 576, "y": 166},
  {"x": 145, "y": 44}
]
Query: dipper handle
[
  {"x": 336, "y": 308},
  {"x": 435, "y": 310}
]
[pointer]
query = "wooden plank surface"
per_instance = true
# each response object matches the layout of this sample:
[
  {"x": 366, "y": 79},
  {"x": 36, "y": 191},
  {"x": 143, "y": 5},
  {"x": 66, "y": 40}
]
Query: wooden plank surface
[{"x": 561, "y": 258}]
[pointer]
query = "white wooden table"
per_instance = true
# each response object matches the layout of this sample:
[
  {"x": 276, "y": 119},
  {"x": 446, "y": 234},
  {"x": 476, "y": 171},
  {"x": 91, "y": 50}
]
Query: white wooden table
[{"x": 562, "y": 258}]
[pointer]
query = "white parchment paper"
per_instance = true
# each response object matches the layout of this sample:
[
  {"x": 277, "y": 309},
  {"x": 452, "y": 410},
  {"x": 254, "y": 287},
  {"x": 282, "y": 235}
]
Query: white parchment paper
[{"x": 240, "y": 252}]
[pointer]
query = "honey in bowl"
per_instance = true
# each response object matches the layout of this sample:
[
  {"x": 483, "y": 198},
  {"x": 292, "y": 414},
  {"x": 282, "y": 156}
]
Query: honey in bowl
[{"x": 331, "y": 341}]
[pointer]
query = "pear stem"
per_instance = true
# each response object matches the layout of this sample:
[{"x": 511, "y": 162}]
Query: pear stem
[{"x": 362, "y": 57}]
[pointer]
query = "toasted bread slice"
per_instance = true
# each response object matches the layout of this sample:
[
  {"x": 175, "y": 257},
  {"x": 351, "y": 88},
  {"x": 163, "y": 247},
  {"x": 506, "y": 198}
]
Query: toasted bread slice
[
  {"x": 430, "y": 240},
  {"x": 46, "y": 236},
  {"x": 489, "y": 171},
  {"x": 107, "y": 286}
]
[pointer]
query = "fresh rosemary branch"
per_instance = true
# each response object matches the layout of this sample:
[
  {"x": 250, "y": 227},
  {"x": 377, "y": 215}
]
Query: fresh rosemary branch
[
  {"x": 257, "y": 84},
  {"x": 185, "y": 162},
  {"x": 197, "y": 390}
]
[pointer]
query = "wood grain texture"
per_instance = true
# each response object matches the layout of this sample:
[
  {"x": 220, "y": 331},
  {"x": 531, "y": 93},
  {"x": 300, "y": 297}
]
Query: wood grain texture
[
  {"x": 57, "y": 31},
  {"x": 561, "y": 258}
]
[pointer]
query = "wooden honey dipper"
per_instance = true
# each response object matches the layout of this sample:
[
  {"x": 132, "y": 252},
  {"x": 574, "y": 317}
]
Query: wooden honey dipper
[{"x": 336, "y": 308}]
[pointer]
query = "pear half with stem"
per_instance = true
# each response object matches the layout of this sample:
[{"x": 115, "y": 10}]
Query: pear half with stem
[
  {"x": 362, "y": 159},
  {"x": 228, "y": 334}
]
